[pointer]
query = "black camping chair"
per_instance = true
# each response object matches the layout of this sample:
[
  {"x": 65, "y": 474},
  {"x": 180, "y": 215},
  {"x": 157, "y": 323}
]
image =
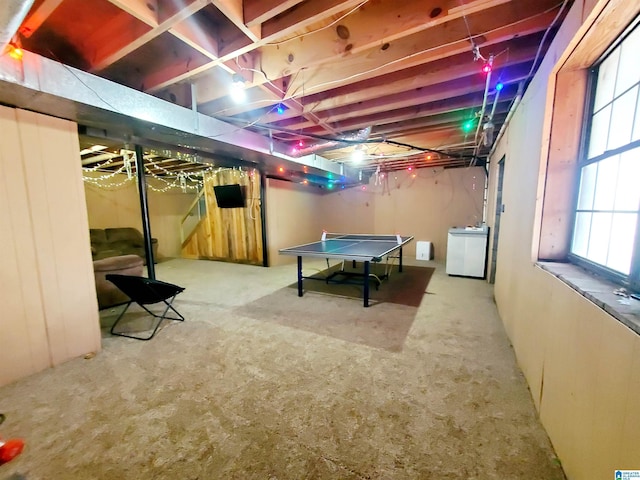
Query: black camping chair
[{"x": 145, "y": 291}]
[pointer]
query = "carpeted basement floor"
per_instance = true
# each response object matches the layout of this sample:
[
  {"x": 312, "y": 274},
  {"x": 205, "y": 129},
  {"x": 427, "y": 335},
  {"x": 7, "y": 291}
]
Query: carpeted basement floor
[{"x": 261, "y": 384}]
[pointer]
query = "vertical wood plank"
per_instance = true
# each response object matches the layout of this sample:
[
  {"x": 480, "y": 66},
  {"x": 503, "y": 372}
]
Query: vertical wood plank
[
  {"x": 564, "y": 145},
  {"x": 61, "y": 234},
  {"x": 233, "y": 234},
  {"x": 50, "y": 309},
  {"x": 23, "y": 342}
]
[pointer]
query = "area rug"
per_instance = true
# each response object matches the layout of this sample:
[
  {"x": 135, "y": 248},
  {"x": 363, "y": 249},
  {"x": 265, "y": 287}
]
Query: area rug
[{"x": 336, "y": 310}]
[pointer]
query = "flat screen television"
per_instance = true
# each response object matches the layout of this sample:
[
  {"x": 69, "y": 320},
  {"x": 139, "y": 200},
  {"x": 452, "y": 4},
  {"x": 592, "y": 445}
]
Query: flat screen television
[{"x": 229, "y": 196}]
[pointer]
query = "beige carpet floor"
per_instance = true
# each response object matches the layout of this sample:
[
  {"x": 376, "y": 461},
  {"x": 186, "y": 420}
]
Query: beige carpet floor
[{"x": 259, "y": 383}]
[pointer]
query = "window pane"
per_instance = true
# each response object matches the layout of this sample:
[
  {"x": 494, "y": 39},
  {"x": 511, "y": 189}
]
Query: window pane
[
  {"x": 623, "y": 229},
  {"x": 581, "y": 234},
  {"x": 606, "y": 80},
  {"x": 624, "y": 109},
  {"x": 599, "y": 238},
  {"x": 607, "y": 214},
  {"x": 599, "y": 132},
  {"x": 629, "y": 71},
  {"x": 587, "y": 187},
  {"x": 606, "y": 183},
  {"x": 628, "y": 191}
]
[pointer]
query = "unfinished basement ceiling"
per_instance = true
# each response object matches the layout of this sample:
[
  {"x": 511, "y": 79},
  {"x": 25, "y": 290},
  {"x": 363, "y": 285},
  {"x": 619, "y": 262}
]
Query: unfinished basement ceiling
[{"x": 396, "y": 80}]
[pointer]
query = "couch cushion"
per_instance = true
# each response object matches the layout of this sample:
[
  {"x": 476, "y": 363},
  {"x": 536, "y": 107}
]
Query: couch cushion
[
  {"x": 125, "y": 235},
  {"x": 121, "y": 262},
  {"x": 108, "y": 294},
  {"x": 97, "y": 235},
  {"x": 102, "y": 254}
]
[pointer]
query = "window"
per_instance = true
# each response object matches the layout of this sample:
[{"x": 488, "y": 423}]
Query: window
[{"x": 606, "y": 232}]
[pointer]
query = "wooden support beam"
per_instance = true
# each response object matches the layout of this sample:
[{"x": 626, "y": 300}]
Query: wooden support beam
[
  {"x": 408, "y": 104},
  {"x": 234, "y": 11},
  {"x": 144, "y": 10},
  {"x": 257, "y": 12},
  {"x": 132, "y": 38},
  {"x": 414, "y": 50},
  {"x": 38, "y": 17},
  {"x": 416, "y": 78}
]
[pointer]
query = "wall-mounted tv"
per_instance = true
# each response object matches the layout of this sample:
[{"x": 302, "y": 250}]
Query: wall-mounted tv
[{"x": 229, "y": 196}]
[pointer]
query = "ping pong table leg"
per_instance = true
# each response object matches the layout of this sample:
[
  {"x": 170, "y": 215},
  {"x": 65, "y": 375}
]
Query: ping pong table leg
[
  {"x": 366, "y": 284},
  {"x": 299, "y": 276},
  {"x": 400, "y": 261}
]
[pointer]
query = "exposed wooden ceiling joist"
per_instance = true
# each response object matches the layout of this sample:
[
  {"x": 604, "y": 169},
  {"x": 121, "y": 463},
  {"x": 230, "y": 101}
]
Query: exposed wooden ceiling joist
[{"x": 409, "y": 71}]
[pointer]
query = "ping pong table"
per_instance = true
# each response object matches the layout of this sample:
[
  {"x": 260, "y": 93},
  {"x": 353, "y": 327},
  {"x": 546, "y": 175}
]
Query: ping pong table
[{"x": 351, "y": 247}]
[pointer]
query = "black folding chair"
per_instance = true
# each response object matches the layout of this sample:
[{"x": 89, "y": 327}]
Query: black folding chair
[{"x": 145, "y": 291}]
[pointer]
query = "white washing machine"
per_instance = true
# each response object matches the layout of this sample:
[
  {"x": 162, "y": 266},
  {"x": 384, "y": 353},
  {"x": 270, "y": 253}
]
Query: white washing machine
[{"x": 467, "y": 251}]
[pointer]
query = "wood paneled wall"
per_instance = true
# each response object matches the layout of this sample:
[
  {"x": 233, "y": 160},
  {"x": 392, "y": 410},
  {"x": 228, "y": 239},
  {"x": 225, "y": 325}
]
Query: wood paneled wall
[
  {"x": 49, "y": 308},
  {"x": 231, "y": 234},
  {"x": 294, "y": 217},
  {"x": 582, "y": 365},
  {"x": 424, "y": 203}
]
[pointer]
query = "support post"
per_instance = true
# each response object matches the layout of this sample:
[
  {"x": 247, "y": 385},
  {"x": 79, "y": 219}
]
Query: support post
[
  {"x": 144, "y": 210},
  {"x": 263, "y": 219},
  {"x": 366, "y": 284},
  {"x": 299, "y": 276}
]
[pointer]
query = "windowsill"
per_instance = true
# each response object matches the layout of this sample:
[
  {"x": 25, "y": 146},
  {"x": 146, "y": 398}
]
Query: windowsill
[{"x": 597, "y": 290}]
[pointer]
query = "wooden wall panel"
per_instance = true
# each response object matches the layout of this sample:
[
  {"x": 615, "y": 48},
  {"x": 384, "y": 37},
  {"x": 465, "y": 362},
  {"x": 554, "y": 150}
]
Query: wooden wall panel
[
  {"x": 579, "y": 361},
  {"x": 558, "y": 175},
  {"x": 294, "y": 216},
  {"x": 61, "y": 234},
  {"x": 23, "y": 342},
  {"x": 47, "y": 274},
  {"x": 230, "y": 234},
  {"x": 424, "y": 203}
]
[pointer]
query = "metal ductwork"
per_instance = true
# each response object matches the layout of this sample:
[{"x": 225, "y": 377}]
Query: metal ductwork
[
  {"x": 12, "y": 13},
  {"x": 45, "y": 86},
  {"x": 359, "y": 136}
]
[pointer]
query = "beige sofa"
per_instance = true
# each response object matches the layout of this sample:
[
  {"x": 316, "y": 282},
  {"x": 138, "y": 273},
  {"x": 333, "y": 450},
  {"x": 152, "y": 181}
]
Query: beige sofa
[{"x": 108, "y": 294}]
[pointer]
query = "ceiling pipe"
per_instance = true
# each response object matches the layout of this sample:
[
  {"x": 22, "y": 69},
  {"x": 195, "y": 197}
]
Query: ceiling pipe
[
  {"x": 514, "y": 106},
  {"x": 12, "y": 15},
  {"x": 488, "y": 65},
  {"x": 129, "y": 116}
]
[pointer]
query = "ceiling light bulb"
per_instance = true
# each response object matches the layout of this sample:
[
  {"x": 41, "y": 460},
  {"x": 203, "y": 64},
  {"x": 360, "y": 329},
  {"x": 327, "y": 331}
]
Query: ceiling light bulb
[
  {"x": 467, "y": 126},
  {"x": 238, "y": 92},
  {"x": 358, "y": 154},
  {"x": 15, "y": 52}
]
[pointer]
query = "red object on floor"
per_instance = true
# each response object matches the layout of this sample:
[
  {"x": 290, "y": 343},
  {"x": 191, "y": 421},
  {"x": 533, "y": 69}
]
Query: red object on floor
[{"x": 10, "y": 449}]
